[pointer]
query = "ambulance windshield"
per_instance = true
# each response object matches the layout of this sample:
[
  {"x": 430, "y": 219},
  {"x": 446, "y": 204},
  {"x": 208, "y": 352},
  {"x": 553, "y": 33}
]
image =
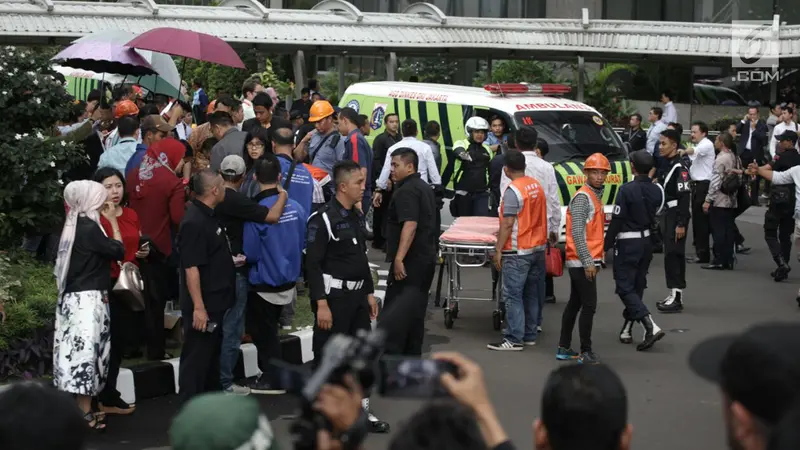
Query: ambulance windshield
[{"x": 574, "y": 135}]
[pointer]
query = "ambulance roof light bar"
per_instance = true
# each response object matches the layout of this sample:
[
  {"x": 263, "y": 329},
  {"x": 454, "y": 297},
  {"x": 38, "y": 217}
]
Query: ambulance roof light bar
[{"x": 525, "y": 88}]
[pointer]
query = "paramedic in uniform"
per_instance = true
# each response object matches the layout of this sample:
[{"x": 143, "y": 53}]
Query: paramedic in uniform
[
  {"x": 635, "y": 210},
  {"x": 676, "y": 214},
  {"x": 585, "y": 231},
  {"x": 337, "y": 268},
  {"x": 471, "y": 171}
]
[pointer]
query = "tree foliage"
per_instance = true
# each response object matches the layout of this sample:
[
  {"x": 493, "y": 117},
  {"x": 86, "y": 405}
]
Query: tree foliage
[
  {"x": 217, "y": 78},
  {"x": 32, "y": 158},
  {"x": 428, "y": 70},
  {"x": 519, "y": 71}
]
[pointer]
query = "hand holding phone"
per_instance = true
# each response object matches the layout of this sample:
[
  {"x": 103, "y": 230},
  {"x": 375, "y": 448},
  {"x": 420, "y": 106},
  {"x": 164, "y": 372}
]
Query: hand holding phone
[{"x": 414, "y": 378}]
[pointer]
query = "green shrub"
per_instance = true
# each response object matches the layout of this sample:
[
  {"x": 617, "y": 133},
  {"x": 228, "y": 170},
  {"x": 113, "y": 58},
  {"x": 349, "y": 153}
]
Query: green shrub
[{"x": 28, "y": 289}]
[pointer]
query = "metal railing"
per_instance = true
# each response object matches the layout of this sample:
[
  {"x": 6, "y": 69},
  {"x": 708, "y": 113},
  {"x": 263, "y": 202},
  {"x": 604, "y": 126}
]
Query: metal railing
[{"x": 685, "y": 132}]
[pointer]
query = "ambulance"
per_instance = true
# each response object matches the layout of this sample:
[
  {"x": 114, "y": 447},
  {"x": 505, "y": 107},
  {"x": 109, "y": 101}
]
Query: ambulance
[{"x": 573, "y": 130}]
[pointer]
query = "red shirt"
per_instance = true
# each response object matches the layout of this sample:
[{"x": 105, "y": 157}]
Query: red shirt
[
  {"x": 129, "y": 229},
  {"x": 160, "y": 208}
]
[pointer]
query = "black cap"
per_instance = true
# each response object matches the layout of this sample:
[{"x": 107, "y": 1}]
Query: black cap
[
  {"x": 642, "y": 161},
  {"x": 759, "y": 368},
  {"x": 787, "y": 135},
  {"x": 295, "y": 114}
]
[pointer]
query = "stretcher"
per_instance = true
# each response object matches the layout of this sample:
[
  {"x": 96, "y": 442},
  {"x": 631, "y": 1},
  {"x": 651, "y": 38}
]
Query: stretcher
[{"x": 469, "y": 242}]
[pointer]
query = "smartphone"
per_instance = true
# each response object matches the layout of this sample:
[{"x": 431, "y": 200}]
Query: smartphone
[
  {"x": 145, "y": 245},
  {"x": 413, "y": 378},
  {"x": 210, "y": 327}
]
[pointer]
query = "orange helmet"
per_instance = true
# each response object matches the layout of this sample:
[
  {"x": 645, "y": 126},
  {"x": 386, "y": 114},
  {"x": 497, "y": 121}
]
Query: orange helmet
[
  {"x": 125, "y": 108},
  {"x": 597, "y": 161},
  {"x": 211, "y": 107},
  {"x": 320, "y": 110}
]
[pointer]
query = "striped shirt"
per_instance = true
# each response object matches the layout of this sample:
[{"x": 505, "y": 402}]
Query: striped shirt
[{"x": 582, "y": 209}]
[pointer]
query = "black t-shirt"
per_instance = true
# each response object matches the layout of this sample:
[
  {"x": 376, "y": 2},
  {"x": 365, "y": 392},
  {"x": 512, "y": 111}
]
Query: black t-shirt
[
  {"x": 234, "y": 211},
  {"x": 92, "y": 256},
  {"x": 202, "y": 243},
  {"x": 785, "y": 160},
  {"x": 413, "y": 201}
]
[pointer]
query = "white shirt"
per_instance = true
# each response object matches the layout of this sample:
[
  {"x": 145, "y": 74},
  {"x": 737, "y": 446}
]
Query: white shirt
[
  {"x": 427, "y": 164},
  {"x": 777, "y": 131},
  {"x": 543, "y": 172},
  {"x": 670, "y": 114},
  {"x": 184, "y": 131},
  {"x": 653, "y": 136},
  {"x": 788, "y": 177},
  {"x": 247, "y": 107},
  {"x": 702, "y": 161}
]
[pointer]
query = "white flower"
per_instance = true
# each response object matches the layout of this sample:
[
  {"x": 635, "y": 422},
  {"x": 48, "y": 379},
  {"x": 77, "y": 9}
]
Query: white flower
[
  {"x": 39, "y": 135},
  {"x": 18, "y": 136},
  {"x": 31, "y": 73},
  {"x": 38, "y": 101},
  {"x": 61, "y": 182},
  {"x": 25, "y": 135},
  {"x": 36, "y": 82},
  {"x": 63, "y": 144},
  {"x": 52, "y": 163},
  {"x": 10, "y": 74}
]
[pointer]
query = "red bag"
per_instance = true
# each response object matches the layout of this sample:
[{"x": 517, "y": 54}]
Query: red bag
[{"x": 553, "y": 262}]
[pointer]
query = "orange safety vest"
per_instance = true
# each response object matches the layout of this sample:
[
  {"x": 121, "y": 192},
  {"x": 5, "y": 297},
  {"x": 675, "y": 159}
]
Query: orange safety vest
[
  {"x": 595, "y": 228},
  {"x": 318, "y": 174},
  {"x": 530, "y": 228}
]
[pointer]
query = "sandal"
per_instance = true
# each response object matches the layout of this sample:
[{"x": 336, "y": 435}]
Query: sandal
[
  {"x": 117, "y": 406},
  {"x": 94, "y": 422}
]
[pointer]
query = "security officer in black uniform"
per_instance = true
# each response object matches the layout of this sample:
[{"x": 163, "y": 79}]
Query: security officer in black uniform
[
  {"x": 675, "y": 219},
  {"x": 337, "y": 268},
  {"x": 635, "y": 210},
  {"x": 779, "y": 218}
]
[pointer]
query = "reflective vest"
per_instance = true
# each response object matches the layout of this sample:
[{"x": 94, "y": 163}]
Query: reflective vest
[
  {"x": 530, "y": 227},
  {"x": 594, "y": 230},
  {"x": 451, "y": 164}
]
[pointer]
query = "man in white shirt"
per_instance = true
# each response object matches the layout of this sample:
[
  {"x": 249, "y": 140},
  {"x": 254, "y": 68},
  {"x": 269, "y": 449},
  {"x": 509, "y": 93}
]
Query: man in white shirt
[
  {"x": 702, "y": 156},
  {"x": 670, "y": 113},
  {"x": 249, "y": 90},
  {"x": 427, "y": 164},
  {"x": 786, "y": 125},
  {"x": 657, "y": 125}
]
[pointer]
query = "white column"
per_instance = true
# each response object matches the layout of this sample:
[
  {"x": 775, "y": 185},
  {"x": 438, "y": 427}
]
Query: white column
[
  {"x": 340, "y": 69},
  {"x": 299, "y": 66},
  {"x": 391, "y": 66},
  {"x": 581, "y": 81}
]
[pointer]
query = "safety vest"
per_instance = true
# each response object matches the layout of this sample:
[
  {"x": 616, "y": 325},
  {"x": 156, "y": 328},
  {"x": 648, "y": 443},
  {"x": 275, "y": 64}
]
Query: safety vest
[
  {"x": 530, "y": 227},
  {"x": 594, "y": 230},
  {"x": 451, "y": 164}
]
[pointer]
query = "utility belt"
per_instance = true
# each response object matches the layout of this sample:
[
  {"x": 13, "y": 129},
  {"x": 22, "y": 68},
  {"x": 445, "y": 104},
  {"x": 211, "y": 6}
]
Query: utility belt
[
  {"x": 694, "y": 183},
  {"x": 633, "y": 234},
  {"x": 341, "y": 285}
]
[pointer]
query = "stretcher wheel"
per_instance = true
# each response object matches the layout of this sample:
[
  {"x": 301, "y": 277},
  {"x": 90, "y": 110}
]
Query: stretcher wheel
[
  {"x": 454, "y": 311},
  {"x": 448, "y": 319},
  {"x": 497, "y": 320}
]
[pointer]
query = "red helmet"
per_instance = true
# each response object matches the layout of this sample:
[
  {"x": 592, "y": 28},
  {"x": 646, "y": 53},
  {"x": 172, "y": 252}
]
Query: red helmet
[{"x": 597, "y": 161}]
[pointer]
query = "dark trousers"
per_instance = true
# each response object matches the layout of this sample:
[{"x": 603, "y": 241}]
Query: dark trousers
[
  {"x": 723, "y": 227},
  {"x": 583, "y": 300},
  {"x": 674, "y": 252},
  {"x": 700, "y": 220},
  {"x": 632, "y": 259},
  {"x": 199, "y": 370},
  {"x": 157, "y": 278},
  {"x": 350, "y": 312},
  {"x": 121, "y": 321},
  {"x": 549, "y": 289},
  {"x": 379, "y": 216},
  {"x": 261, "y": 323},
  {"x": 472, "y": 204},
  {"x": 778, "y": 230},
  {"x": 406, "y": 302}
]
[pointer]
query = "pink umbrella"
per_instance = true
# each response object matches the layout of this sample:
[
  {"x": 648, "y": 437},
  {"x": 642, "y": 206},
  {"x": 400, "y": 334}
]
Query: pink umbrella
[{"x": 189, "y": 44}]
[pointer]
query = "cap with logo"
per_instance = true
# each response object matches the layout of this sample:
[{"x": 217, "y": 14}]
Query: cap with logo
[
  {"x": 759, "y": 368},
  {"x": 156, "y": 122},
  {"x": 787, "y": 135},
  {"x": 232, "y": 165}
]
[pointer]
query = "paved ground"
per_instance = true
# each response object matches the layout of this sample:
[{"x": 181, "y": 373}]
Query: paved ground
[{"x": 669, "y": 406}]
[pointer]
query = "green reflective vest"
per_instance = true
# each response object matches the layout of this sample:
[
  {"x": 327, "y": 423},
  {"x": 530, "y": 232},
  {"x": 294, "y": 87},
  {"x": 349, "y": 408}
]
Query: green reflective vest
[{"x": 451, "y": 164}]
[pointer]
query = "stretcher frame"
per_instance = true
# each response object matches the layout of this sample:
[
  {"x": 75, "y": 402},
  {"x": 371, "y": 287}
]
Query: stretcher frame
[{"x": 451, "y": 257}]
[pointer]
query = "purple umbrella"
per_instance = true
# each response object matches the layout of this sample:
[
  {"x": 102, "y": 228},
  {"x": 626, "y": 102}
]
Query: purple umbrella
[{"x": 104, "y": 57}]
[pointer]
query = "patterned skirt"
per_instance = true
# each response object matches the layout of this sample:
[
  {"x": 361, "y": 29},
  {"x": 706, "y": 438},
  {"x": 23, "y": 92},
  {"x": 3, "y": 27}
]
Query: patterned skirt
[{"x": 82, "y": 343}]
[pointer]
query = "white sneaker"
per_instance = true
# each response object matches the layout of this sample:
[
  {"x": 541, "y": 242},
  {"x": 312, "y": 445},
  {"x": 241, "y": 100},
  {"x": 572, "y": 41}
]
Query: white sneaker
[
  {"x": 538, "y": 329},
  {"x": 235, "y": 389}
]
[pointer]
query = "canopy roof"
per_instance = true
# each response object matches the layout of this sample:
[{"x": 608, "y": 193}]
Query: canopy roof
[{"x": 336, "y": 26}]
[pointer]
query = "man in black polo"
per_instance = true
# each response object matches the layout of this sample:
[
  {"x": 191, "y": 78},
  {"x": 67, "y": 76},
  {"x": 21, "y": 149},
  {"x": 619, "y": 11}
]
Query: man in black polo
[
  {"x": 411, "y": 248},
  {"x": 208, "y": 292}
]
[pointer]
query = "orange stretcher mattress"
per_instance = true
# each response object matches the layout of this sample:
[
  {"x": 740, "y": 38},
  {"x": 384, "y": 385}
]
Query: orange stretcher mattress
[{"x": 472, "y": 231}]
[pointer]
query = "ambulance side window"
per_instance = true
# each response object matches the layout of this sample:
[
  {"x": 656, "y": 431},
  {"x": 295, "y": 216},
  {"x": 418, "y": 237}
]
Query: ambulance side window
[{"x": 490, "y": 113}]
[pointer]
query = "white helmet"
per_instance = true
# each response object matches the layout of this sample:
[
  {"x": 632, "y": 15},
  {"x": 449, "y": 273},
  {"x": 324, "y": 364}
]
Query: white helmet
[{"x": 476, "y": 124}]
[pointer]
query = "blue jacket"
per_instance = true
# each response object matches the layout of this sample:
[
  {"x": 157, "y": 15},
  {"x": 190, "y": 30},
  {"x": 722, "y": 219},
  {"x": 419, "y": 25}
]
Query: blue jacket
[
  {"x": 274, "y": 251},
  {"x": 302, "y": 184},
  {"x": 136, "y": 158}
]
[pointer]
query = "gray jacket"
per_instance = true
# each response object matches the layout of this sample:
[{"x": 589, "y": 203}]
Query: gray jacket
[
  {"x": 232, "y": 143},
  {"x": 723, "y": 164}
]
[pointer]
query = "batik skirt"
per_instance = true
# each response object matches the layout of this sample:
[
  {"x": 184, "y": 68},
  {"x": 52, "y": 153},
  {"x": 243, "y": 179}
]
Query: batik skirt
[{"x": 82, "y": 343}]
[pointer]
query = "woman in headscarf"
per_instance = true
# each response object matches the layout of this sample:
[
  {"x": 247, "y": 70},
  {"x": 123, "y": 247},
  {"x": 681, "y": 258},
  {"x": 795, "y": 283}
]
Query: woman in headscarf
[
  {"x": 82, "y": 338},
  {"x": 255, "y": 146},
  {"x": 158, "y": 196}
]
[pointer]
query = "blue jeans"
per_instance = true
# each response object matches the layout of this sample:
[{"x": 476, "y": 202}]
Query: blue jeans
[
  {"x": 232, "y": 330},
  {"x": 523, "y": 293}
]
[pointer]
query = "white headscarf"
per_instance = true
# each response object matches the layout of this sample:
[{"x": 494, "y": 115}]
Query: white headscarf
[{"x": 83, "y": 198}]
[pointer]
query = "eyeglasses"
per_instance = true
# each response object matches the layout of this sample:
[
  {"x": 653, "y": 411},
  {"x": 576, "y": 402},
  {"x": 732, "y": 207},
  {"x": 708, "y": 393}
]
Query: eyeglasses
[{"x": 254, "y": 144}]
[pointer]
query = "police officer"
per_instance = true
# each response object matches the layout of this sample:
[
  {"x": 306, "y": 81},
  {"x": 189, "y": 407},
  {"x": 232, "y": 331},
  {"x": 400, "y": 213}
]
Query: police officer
[
  {"x": 676, "y": 215},
  {"x": 635, "y": 210},
  {"x": 337, "y": 269},
  {"x": 779, "y": 218}
]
